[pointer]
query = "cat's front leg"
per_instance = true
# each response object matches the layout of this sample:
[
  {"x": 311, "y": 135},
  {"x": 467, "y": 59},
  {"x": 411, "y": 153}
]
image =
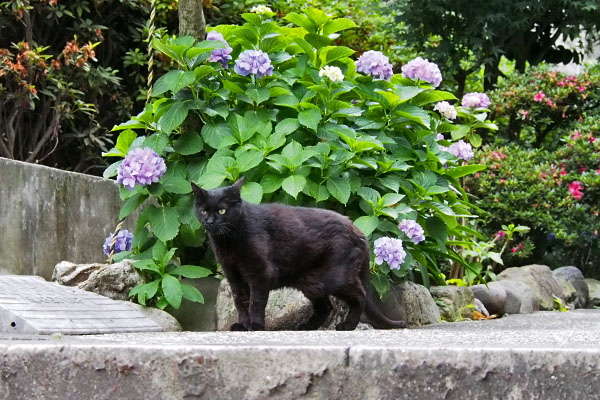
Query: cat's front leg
[
  {"x": 259, "y": 295},
  {"x": 241, "y": 300}
]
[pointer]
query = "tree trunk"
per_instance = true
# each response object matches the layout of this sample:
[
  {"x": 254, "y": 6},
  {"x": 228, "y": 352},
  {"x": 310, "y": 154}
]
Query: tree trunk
[{"x": 191, "y": 19}]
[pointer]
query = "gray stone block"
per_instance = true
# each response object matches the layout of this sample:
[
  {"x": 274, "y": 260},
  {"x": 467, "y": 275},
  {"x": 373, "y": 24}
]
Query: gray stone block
[
  {"x": 594, "y": 292},
  {"x": 412, "y": 303},
  {"x": 520, "y": 298},
  {"x": 575, "y": 277},
  {"x": 454, "y": 302},
  {"x": 493, "y": 296},
  {"x": 540, "y": 279}
]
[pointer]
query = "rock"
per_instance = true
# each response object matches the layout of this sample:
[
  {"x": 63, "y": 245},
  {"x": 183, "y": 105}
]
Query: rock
[
  {"x": 540, "y": 279},
  {"x": 286, "y": 309},
  {"x": 493, "y": 296},
  {"x": 480, "y": 308},
  {"x": 454, "y": 302},
  {"x": 410, "y": 302},
  {"x": 110, "y": 280},
  {"x": 574, "y": 276},
  {"x": 160, "y": 317},
  {"x": 568, "y": 294},
  {"x": 520, "y": 298},
  {"x": 594, "y": 292}
]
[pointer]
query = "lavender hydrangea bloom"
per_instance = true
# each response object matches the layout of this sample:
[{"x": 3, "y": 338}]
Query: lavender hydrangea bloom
[
  {"x": 476, "y": 100},
  {"x": 123, "y": 242},
  {"x": 140, "y": 167},
  {"x": 254, "y": 62},
  {"x": 439, "y": 136},
  {"x": 446, "y": 109},
  {"x": 461, "y": 149},
  {"x": 423, "y": 70},
  {"x": 220, "y": 55},
  {"x": 413, "y": 230},
  {"x": 389, "y": 250},
  {"x": 374, "y": 63}
]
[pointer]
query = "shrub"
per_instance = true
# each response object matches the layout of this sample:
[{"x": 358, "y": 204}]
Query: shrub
[
  {"x": 300, "y": 134},
  {"x": 69, "y": 70},
  {"x": 554, "y": 192},
  {"x": 539, "y": 107}
]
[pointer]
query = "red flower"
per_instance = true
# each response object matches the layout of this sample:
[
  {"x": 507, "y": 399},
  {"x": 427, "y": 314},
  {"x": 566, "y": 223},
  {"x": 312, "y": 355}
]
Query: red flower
[
  {"x": 514, "y": 250},
  {"x": 582, "y": 170},
  {"x": 539, "y": 96},
  {"x": 563, "y": 172},
  {"x": 576, "y": 190}
]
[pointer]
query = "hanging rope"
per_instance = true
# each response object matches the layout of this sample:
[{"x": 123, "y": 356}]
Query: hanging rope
[
  {"x": 150, "y": 52},
  {"x": 148, "y": 96}
]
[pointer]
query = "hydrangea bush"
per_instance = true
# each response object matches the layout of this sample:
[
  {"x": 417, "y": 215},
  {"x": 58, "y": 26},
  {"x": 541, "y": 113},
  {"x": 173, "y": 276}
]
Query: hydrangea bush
[{"x": 306, "y": 125}]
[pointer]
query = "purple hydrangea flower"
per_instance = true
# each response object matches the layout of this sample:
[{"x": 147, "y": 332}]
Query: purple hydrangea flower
[
  {"x": 123, "y": 242},
  {"x": 376, "y": 64},
  {"x": 476, "y": 100},
  {"x": 439, "y": 136},
  {"x": 413, "y": 230},
  {"x": 220, "y": 55},
  {"x": 422, "y": 70},
  {"x": 389, "y": 250},
  {"x": 141, "y": 166},
  {"x": 255, "y": 62},
  {"x": 461, "y": 149}
]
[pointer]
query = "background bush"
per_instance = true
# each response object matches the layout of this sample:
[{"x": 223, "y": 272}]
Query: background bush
[{"x": 69, "y": 71}]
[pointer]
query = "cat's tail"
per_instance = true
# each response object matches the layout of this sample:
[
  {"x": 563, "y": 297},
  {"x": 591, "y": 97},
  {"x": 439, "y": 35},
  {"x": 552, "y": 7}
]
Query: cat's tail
[{"x": 373, "y": 313}]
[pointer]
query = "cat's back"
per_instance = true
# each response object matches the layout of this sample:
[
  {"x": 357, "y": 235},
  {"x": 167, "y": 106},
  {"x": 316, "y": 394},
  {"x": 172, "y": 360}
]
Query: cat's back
[{"x": 302, "y": 222}]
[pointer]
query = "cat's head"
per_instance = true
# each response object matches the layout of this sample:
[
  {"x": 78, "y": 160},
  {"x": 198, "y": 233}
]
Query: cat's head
[{"x": 219, "y": 210}]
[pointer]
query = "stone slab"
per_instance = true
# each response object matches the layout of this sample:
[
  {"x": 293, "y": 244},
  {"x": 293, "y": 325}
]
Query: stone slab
[
  {"x": 29, "y": 304},
  {"x": 547, "y": 355}
]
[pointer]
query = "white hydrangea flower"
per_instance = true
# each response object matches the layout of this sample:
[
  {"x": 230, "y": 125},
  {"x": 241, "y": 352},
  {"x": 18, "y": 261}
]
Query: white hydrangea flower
[
  {"x": 334, "y": 74},
  {"x": 261, "y": 9},
  {"x": 446, "y": 109}
]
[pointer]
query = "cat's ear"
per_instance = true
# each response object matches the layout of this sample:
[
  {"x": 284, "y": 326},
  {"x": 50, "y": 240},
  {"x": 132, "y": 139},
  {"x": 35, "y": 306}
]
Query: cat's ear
[
  {"x": 238, "y": 184},
  {"x": 199, "y": 193}
]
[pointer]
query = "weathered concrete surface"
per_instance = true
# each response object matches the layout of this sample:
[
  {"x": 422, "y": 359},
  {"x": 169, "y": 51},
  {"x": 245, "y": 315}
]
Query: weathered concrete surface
[
  {"x": 49, "y": 215},
  {"x": 547, "y": 355}
]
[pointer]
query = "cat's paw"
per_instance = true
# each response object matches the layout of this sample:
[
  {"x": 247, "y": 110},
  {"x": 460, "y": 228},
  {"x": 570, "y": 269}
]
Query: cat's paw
[
  {"x": 257, "y": 327},
  {"x": 237, "y": 327},
  {"x": 345, "y": 326}
]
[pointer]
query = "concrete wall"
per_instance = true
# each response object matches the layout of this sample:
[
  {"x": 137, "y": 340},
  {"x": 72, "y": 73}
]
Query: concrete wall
[{"x": 49, "y": 215}]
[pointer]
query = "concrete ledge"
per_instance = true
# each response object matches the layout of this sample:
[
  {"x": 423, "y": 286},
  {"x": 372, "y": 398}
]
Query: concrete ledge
[
  {"x": 49, "y": 215},
  {"x": 544, "y": 355}
]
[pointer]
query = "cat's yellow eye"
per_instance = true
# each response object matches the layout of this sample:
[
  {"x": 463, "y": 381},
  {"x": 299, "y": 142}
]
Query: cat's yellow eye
[
  {"x": 222, "y": 211},
  {"x": 203, "y": 212}
]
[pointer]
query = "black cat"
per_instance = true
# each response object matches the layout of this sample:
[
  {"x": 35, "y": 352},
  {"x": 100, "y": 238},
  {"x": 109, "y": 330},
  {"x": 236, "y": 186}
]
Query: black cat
[{"x": 267, "y": 246}]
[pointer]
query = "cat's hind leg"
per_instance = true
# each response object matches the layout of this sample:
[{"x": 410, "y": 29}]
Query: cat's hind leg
[
  {"x": 354, "y": 296},
  {"x": 321, "y": 310}
]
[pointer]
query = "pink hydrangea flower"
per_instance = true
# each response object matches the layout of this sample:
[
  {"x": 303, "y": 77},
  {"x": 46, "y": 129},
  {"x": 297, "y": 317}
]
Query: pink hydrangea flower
[{"x": 461, "y": 149}]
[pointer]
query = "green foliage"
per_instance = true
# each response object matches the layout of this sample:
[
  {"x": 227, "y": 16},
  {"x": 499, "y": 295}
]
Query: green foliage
[
  {"x": 462, "y": 37},
  {"x": 563, "y": 103},
  {"x": 68, "y": 71},
  {"x": 163, "y": 287},
  {"x": 364, "y": 147},
  {"x": 531, "y": 187}
]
